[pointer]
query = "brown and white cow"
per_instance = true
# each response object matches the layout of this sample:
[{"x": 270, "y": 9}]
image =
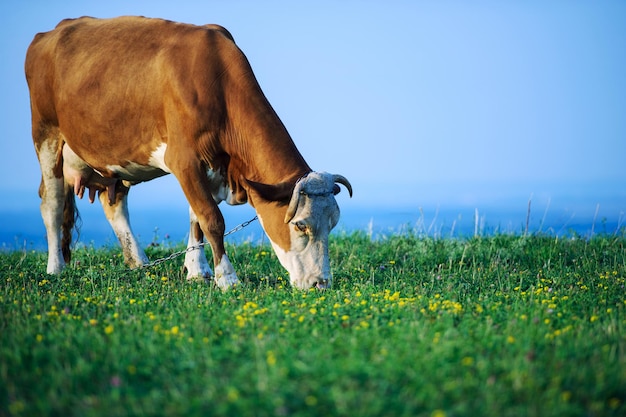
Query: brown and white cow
[{"x": 119, "y": 101}]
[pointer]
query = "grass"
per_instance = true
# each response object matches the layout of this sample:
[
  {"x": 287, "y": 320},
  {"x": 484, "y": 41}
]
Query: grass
[{"x": 502, "y": 325}]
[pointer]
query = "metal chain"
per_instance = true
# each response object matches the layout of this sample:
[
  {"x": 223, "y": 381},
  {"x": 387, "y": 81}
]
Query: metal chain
[
  {"x": 190, "y": 248},
  {"x": 241, "y": 226}
]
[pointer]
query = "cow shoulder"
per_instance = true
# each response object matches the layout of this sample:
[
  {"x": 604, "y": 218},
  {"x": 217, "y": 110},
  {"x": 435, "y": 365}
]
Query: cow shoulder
[{"x": 220, "y": 29}]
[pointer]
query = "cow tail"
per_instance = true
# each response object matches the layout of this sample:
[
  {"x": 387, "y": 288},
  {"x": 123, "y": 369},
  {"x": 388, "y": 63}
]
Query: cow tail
[{"x": 71, "y": 221}]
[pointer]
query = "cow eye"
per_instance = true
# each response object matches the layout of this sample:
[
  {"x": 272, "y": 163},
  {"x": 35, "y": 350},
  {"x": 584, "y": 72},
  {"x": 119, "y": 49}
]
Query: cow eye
[{"x": 300, "y": 226}]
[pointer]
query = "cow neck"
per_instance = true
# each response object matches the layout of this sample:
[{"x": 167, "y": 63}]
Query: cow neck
[
  {"x": 264, "y": 147},
  {"x": 260, "y": 147},
  {"x": 271, "y": 159}
]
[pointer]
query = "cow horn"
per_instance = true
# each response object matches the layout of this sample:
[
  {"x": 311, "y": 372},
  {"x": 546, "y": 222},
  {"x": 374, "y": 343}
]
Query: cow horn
[
  {"x": 293, "y": 203},
  {"x": 344, "y": 181}
]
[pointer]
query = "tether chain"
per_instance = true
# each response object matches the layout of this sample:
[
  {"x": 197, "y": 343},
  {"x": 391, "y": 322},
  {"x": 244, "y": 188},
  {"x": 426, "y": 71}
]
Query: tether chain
[{"x": 190, "y": 248}]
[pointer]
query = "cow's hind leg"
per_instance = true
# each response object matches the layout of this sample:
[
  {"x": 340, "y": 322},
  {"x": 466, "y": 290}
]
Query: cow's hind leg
[
  {"x": 52, "y": 193},
  {"x": 115, "y": 207},
  {"x": 196, "y": 263}
]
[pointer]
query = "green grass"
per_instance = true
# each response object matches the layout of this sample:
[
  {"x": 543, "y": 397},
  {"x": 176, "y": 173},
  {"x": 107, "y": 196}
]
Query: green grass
[{"x": 491, "y": 326}]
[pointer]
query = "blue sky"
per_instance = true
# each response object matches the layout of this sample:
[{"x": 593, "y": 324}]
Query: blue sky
[{"x": 416, "y": 102}]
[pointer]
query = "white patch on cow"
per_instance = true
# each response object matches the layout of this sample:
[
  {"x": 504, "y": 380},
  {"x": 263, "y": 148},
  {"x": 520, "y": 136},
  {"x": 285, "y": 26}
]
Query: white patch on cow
[
  {"x": 219, "y": 188},
  {"x": 118, "y": 217},
  {"x": 225, "y": 276},
  {"x": 135, "y": 172},
  {"x": 157, "y": 158},
  {"x": 197, "y": 266},
  {"x": 73, "y": 165},
  {"x": 135, "y": 256}
]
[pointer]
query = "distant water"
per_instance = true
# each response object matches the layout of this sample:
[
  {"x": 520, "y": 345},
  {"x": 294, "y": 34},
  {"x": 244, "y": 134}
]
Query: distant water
[{"x": 23, "y": 229}]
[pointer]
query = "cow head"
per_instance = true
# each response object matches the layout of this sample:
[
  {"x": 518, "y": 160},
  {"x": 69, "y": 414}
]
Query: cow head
[{"x": 299, "y": 235}]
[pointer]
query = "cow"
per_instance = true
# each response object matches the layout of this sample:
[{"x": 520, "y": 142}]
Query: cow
[{"x": 119, "y": 101}]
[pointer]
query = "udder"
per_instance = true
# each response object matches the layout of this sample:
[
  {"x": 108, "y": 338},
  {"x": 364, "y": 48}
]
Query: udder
[{"x": 82, "y": 177}]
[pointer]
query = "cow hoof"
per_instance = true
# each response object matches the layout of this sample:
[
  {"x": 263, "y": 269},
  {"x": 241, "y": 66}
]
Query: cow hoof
[
  {"x": 225, "y": 276},
  {"x": 201, "y": 278},
  {"x": 55, "y": 264},
  {"x": 227, "y": 281},
  {"x": 197, "y": 271},
  {"x": 54, "y": 270}
]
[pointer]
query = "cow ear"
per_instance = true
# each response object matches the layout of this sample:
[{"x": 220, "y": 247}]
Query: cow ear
[{"x": 271, "y": 192}]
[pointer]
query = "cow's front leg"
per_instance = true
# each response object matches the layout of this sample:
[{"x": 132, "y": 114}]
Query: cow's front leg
[
  {"x": 115, "y": 205},
  {"x": 195, "y": 185},
  {"x": 196, "y": 263}
]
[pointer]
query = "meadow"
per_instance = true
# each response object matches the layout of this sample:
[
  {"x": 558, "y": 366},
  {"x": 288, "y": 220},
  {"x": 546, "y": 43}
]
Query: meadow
[{"x": 504, "y": 325}]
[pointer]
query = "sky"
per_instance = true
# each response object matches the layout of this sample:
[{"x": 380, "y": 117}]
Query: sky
[{"x": 417, "y": 103}]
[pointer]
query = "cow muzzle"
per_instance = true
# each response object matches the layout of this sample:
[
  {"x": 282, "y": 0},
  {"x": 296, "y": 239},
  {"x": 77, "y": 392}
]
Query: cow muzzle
[{"x": 306, "y": 283}]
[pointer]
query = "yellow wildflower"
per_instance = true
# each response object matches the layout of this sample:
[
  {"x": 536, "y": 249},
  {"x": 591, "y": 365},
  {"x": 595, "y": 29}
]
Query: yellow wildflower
[
  {"x": 271, "y": 358},
  {"x": 467, "y": 361}
]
